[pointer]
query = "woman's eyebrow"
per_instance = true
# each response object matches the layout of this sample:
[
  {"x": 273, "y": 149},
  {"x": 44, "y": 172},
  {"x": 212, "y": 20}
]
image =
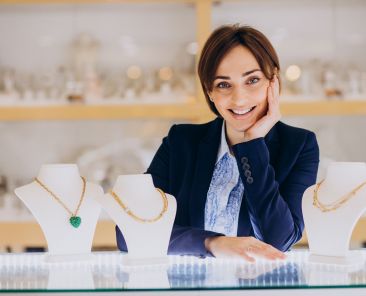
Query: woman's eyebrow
[
  {"x": 250, "y": 72},
  {"x": 244, "y": 74}
]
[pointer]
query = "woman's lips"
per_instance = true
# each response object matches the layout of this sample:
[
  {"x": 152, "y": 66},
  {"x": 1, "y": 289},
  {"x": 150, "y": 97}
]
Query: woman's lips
[{"x": 242, "y": 113}]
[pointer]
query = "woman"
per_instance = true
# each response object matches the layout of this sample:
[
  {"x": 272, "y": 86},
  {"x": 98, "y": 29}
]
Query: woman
[{"x": 238, "y": 179}]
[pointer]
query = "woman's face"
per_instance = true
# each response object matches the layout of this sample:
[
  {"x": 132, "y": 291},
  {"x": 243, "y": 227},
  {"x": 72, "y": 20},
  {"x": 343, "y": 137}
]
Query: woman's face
[{"x": 239, "y": 89}]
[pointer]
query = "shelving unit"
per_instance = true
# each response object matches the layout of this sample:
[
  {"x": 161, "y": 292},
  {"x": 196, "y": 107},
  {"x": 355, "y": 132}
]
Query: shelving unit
[
  {"x": 195, "y": 111},
  {"x": 29, "y": 233}
]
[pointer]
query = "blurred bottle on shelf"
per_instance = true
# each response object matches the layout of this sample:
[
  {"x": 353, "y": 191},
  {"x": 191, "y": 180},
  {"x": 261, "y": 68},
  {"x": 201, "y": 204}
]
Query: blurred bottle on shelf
[
  {"x": 363, "y": 85},
  {"x": 331, "y": 82},
  {"x": 353, "y": 89},
  {"x": 3, "y": 189},
  {"x": 9, "y": 92}
]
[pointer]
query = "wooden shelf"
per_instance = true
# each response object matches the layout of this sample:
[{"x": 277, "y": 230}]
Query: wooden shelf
[
  {"x": 188, "y": 111},
  {"x": 16, "y": 2},
  {"x": 321, "y": 107}
]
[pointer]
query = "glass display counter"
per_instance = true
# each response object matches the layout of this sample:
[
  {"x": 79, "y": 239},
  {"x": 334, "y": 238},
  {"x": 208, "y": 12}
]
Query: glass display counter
[{"x": 104, "y": 274}]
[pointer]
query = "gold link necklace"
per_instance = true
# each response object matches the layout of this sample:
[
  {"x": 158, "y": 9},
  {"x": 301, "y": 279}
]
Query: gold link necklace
[
  {"x": 74, "y": 219},
  {"x": 137, "y": 218},
  {"x": 336, "y": 204}
]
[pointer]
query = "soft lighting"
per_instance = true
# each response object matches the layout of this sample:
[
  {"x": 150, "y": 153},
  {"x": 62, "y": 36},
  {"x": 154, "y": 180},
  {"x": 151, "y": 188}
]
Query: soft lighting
[
  {"x": 192, "y": 48},
  {"x": 134, "y": 72},
  {"x": 165, "y": 73},
  {"x": 293, "y": 73},
  {"x": 128, "y": 45}
]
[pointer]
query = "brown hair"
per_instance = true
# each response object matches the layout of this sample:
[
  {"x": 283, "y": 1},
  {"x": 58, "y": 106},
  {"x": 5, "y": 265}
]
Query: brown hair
[{"x": 221, "y": 41}]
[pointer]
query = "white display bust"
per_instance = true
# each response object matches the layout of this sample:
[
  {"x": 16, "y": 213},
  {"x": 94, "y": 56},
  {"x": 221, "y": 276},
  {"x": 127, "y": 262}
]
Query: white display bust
[
  {"x": 329, "y": 233},
  {"x": 64, "y": 241},
  {"x": 148, "y": 242}
]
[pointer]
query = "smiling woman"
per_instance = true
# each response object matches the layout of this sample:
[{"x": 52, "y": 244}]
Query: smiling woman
[
  {"x": 237, "y": 84},
  {"x": 238, "y": 179}
]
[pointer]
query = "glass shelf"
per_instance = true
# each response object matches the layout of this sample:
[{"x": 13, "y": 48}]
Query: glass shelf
[{"x": 30, "y": 273}]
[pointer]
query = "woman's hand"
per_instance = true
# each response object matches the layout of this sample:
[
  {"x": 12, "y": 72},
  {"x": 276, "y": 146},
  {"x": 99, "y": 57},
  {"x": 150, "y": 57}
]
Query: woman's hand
[
  {"x": 264, "y": 125},
  {"x": 241, "y": 247}
]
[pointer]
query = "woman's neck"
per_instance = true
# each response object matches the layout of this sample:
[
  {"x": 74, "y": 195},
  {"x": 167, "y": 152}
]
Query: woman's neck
[{"x": 233, "y": 137}]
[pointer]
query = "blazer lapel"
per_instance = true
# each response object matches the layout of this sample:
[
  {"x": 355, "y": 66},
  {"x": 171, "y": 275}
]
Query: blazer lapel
[{"x": 205, "y": 164}]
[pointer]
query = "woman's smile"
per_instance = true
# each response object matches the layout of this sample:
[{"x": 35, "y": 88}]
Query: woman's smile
[{"x": 241, "y": 113}]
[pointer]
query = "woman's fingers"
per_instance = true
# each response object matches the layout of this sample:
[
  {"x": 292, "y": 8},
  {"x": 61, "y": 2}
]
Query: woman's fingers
[
  {"x": 272, "y": 252},
  {"x": 242, "y": 247},
  {"x": 271, "y": 97},
  {"x": 273, "y": 100},
  {"x": 265, "y": 250},
  {"x": 245, "y": 256}
]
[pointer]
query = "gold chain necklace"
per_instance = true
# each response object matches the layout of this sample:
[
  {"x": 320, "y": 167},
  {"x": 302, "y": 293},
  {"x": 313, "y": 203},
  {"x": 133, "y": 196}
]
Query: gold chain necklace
[
  {"x": 74, "y": 219},
  {"x": 336, "y": 204},
  {"x": 137, "y": 218}
]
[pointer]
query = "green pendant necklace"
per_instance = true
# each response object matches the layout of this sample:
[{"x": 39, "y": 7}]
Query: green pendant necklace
[{"x": 74, "y": 219}]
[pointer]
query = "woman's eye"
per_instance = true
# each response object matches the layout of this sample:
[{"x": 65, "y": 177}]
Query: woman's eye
[
  {"x": 223, "y": 85},
  {"x": 253, "y": 80}
]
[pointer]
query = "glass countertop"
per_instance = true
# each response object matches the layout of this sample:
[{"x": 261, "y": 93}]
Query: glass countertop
[{"x": 29, "y": 272}]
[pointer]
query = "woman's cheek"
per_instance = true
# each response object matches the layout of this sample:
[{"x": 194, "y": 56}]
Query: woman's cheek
[{"x": 262, "y": 95}]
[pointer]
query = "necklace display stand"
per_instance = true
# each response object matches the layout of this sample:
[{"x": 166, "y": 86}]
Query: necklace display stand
[
  {"x": 69, "y": 278},
  {"x": 329, "y": 232},
  {"x": 152, "y": 277},
  {"x": 147, "y": 242},
  {"x": 64, "y": 241}
]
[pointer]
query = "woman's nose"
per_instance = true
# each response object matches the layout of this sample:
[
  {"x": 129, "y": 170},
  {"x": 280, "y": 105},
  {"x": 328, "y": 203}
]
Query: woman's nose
[{"x": 240, "y": 96}]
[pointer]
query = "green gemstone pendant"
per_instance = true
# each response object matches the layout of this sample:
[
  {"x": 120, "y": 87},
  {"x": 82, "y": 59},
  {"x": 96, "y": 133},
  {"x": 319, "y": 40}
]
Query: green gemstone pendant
[{"x": 75, "y": 221}]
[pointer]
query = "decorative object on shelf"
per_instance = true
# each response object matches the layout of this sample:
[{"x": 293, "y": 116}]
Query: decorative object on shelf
[
  {"x": 74, "y": 219},
  {"x": 3, "y": 189},
  {"x": 85, "y": 50},
  {"x": 330, "y": 82},
  {"x": 137, "y": 218}
]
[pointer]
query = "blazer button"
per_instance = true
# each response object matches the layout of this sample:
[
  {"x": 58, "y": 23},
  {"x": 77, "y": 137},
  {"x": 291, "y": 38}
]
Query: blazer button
[
  {"x": 244, "y": 160},
  {"x": 250, "y": 180},
  {"x": 247, "y": 173},
  {"x": 246, "y": 166}
]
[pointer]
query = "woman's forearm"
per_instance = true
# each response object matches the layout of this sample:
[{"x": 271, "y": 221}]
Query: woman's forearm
[{"x": 275, "y": 212}]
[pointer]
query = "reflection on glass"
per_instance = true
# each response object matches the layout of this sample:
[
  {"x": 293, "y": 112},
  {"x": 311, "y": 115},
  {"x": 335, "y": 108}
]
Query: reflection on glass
[{"x": 30, "y": 272}]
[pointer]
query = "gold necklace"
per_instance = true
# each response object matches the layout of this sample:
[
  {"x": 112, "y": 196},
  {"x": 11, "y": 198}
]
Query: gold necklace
[
  {"x": 74, "y": 219},
  {"x": 137, "y": 218},
  {"x": 336, "y": 204}
]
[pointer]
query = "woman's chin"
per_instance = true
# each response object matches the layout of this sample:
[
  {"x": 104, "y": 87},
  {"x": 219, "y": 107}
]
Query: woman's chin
[{"x": 239, "y": 126}]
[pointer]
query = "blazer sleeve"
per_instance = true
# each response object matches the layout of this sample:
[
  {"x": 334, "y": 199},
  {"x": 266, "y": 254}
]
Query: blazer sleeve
[
  {"x": 184, "y": 240},
  {"x": 275, "y": 211}
]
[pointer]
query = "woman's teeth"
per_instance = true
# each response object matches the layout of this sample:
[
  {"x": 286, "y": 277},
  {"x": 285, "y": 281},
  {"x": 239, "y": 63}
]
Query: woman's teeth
[{"x": 242, "y": 112}]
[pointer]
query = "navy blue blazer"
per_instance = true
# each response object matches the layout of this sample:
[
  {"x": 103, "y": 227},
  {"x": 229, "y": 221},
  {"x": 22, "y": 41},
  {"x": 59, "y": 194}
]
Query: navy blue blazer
[{"x": 275, "y": 170}]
